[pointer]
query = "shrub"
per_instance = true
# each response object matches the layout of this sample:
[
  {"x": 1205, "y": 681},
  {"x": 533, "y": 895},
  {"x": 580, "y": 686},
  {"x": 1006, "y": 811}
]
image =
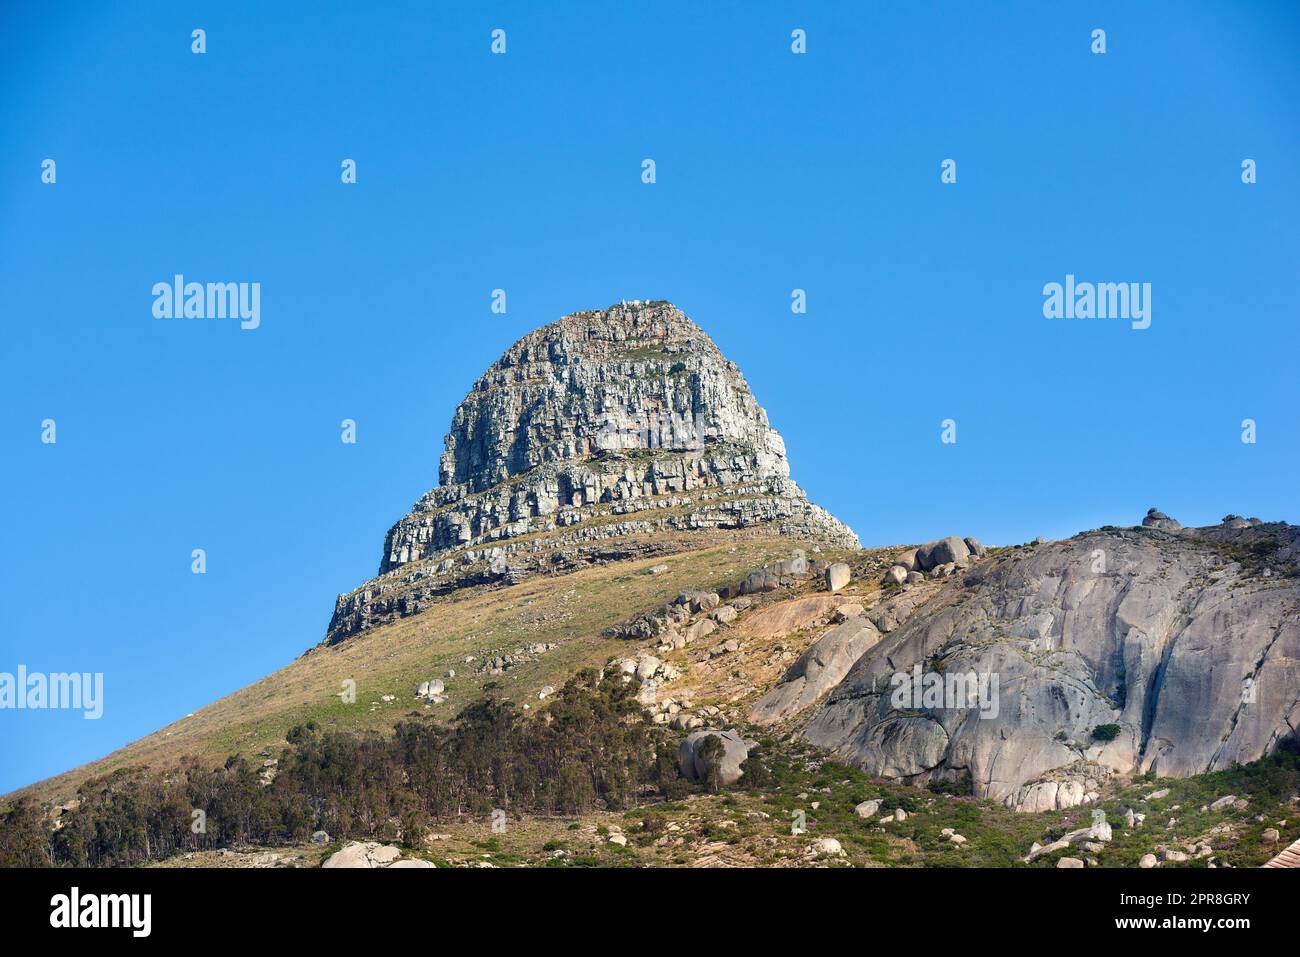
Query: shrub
[{"x": 1105, "y": 732}]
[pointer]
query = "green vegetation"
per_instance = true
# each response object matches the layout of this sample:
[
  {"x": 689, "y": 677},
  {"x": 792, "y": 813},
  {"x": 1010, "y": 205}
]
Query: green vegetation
[
  {"x": 594, "y": 748},
  {"x": 1105, "y": 732}
]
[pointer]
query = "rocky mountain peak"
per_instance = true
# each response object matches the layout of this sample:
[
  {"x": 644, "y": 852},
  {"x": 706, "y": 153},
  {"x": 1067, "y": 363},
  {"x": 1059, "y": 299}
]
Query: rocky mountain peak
[
  {"x": 638, "y": 375},
  {"x": 607, "y": 434}
]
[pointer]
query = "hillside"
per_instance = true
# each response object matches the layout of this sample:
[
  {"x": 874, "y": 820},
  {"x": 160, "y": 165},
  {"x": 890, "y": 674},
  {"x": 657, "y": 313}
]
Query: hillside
[
  {"x": 617, "y": 616},
  {"x": 570, "y": 612}
]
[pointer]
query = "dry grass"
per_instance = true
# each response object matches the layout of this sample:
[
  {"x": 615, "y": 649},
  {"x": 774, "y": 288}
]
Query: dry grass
[{"x": 570, "y": 611}]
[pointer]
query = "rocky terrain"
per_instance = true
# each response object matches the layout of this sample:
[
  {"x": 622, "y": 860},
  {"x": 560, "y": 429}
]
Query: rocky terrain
[
  {"x": 1181, "y": 645},
  {"x": 607, "y": 435},
  {"x": 613, "y": 501}
]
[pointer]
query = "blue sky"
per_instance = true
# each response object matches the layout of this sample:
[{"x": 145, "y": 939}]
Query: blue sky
[{"x": 775, "y": 171}]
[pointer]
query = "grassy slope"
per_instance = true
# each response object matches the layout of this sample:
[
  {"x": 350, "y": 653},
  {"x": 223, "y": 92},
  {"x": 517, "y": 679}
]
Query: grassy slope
[
  {"x": 739, "y": 827},
  {"x": 571, "y": 611},
  {"x": 747, "y": 828}
]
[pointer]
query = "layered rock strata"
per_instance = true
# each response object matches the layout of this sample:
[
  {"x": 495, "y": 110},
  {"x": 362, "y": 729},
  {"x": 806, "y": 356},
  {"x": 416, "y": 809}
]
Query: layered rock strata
[{"x": 604, "y": 436}]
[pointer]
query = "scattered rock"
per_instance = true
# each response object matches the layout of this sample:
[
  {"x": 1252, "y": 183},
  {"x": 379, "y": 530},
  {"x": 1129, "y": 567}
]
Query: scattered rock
[
  {"x": 724, "y": 615},
  {"x": 826, "y": 847},
  {"x": 837, "y": 576},
  {"x": 896, "y": 575},
  {"x": 867, "y": 809}
]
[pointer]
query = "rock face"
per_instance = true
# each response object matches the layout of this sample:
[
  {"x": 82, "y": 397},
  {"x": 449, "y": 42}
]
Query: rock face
[
  {"x": 607, "y": 434},
  {"x": 1188, "y": 642},
  {"x": 816, "y": 671}
]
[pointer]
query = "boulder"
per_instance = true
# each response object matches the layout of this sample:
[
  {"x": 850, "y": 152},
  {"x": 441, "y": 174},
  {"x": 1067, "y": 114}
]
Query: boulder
[
  {"x": 363, "y": 854},
  {"x": 1069, "y": 862},
  {"x": 945, "y": 551},
  {"x": 735, "y": 751},
  {"x": 646, "y": 667},
  {"x": 867, "y": 809},
  {"x": 907, "y": 560},
  {"x": 976, "y": 549},
  {"x": 701, "y": 629},
  {"x": 1148, "y": 861},
  {"x": 896, "y": 575},
  {"x": 816, "y": 671},
  {"x": 837, "y": 576},
  {"x": 1038, "y": 851},
  {"x": 826, "y": 847},
  {"x": 1158, "y": 519},
  {"x": 792, "y": 568},
  {"x": 760, "y": 581},
  {"x": 844, "y": 612},
  {"x": 723, "y": 615},
  {"x": 431, "y": 690},
  {"x": 698, "y": 601}
]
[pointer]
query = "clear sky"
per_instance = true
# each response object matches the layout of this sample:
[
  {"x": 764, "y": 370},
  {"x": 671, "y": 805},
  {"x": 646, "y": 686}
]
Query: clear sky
[{"x": 522, "y": 171}]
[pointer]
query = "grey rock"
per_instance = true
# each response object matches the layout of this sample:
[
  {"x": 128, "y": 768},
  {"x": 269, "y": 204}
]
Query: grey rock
[
  {"x": 837, "y": 576},
  {"x": 945, "y": 551},
  {"x": 724, "y": 614},
  {"x": 629, "y": 413},
  {"x": 735, "y": 751},
  {"x": 1158, "y": 519},
  {"x": 1171, "y": 629},
  {"x": 356, "y": 854},
  {"x": 867, "y": 809},
  {"x": 816, "y": 671},
  {"x": 896, "y": 575}
]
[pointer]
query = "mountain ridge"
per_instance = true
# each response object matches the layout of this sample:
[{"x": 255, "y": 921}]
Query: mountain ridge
[{"x": 587, "y": 432}]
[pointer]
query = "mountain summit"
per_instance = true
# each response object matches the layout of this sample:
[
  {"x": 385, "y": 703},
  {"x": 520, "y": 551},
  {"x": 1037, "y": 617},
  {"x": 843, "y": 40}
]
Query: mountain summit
[{"x": 608, "y": 434}]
